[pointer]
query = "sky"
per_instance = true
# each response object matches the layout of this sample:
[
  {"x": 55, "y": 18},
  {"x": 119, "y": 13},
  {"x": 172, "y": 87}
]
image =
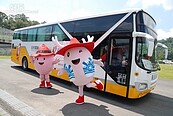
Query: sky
[{"x": 58, "y": 10}]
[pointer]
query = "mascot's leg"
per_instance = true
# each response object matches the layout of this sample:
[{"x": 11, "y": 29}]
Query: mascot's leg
[
  {"x": 97, "y": 84},
  {"x": 42, "y": 81},
  {"x": 80, "y": 99},
  {"x": 48, "y": 81}
]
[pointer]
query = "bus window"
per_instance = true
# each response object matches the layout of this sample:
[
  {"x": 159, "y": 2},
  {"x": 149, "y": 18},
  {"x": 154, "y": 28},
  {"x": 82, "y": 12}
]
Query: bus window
[
  {"x": 69, "y": 26},
  {"x": 92, "y": 26},
  {"x": 32, "y": 34},
  {"x": 16, "y": 35},
  {"x": 44, "y": 33},
  {"x": 23, "y": 35},
  {"x": 59, "y": 33},
  {"x": 142, "y": 58}
]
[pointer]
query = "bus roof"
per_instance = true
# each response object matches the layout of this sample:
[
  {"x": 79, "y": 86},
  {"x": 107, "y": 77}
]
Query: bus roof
[
  {"x": 81, "y": 18},
  {"x": 34, "y": 26},
  {"x": 103, "y": 14}
]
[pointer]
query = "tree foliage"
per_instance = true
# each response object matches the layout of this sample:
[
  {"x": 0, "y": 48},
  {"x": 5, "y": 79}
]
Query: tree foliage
[
  {"x": 13, "y": 22},
  {"x": 160, "y": 51}
]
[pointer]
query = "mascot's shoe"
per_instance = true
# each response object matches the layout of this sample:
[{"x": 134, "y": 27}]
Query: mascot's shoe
[
  {"x": 80, "y": 100},
  {"x": 48, "y": 85},
  {"x": 42, "y": 84},
  {"x": 99, "y": 84}
]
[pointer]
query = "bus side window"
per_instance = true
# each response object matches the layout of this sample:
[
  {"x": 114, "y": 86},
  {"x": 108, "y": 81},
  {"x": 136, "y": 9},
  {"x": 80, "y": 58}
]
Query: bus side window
[
  {"x": 59, "y": 33},
  {"x": 23, "y": 35},
  {"x": 44, "y": 33},
  {"x": 17, "y": 35},
  {"x": 32, "y": 34},
  {"x": 48, "y": 33},
  {"x": 14, "y": 35}
]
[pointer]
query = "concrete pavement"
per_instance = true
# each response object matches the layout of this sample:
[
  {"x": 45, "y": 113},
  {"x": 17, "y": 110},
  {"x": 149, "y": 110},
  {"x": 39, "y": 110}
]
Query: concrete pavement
[
  {"x": 15, "y": 107},
  {"x": 59, "y": 101}
]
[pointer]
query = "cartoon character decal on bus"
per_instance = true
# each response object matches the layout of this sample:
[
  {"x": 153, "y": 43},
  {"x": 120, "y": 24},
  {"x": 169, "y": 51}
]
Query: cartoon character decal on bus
[
  {"x": 79, "y": 65},
  {"x": 18, "y": 51},
  {"x": 43, "y": 62}
]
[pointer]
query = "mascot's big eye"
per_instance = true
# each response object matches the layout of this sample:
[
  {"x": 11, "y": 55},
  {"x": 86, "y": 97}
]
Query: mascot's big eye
[
  {"x": 37, "y": 58},
  {"x": 68, "y": 54},
  {"x": 43, "y": 58},
  {"x": 80, "y": 51}
]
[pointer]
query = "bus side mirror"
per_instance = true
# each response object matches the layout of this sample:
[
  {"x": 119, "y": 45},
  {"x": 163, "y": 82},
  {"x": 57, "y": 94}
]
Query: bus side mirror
[{"x": 150, "y": 44}]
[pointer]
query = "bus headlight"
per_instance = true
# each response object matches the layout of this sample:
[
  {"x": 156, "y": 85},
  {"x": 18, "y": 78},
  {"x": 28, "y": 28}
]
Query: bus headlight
[{"x": 141, "y": 86}]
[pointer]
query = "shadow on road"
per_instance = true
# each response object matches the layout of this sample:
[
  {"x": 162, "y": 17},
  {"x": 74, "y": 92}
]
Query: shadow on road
[
  {"x": 46, "y": 91},
  {"x": 151, "y": 105},
  {"x": 86, "y": 109}
]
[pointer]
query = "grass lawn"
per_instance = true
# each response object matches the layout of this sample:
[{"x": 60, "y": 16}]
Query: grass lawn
[
  {"x": 166, "y": 71},
  {"x": 4, "y": 57}
]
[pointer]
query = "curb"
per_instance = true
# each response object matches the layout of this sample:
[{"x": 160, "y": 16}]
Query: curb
[
  {"x": 15, "y": 107},
  {"x": 3, "y": 112}
]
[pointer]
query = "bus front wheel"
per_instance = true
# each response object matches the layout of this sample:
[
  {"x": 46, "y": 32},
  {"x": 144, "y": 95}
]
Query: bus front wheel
[{"x": 25, "y": 63}]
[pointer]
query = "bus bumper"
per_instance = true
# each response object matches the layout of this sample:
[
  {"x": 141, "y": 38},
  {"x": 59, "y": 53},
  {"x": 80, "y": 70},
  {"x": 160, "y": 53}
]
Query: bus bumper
[{"x": 134, "y": 93}]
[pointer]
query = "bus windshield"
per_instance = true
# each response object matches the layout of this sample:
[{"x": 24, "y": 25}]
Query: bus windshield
[{"x": 142, "y": 59}]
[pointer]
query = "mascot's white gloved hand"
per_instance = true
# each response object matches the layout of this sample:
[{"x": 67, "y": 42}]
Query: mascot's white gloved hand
[
  {"x": 99, "y": 62},
  {"x": 55, "y": 40},
  {"x": 60, "y": 71},
  {"x": 90, "y": 39}
]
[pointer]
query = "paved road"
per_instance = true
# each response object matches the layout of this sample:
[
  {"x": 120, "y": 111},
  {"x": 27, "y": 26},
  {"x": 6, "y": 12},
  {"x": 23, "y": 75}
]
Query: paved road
[{"x": 59, "y": 101}]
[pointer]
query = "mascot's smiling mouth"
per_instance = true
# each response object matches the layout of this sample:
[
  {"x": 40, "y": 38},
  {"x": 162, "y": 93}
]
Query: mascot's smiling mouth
[
  {"x": 75, "y": 62},
  {"x": 41, "y": 63}
]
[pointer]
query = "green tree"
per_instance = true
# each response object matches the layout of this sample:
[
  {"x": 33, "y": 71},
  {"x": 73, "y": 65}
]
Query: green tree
[
  {"x": 9, "y": 23},
  {"x": 21, "y": 17},
  {"x": 13, "y": 22},
  {"x": 3, "y": 17},
  {"x": 169, "y": 43}
]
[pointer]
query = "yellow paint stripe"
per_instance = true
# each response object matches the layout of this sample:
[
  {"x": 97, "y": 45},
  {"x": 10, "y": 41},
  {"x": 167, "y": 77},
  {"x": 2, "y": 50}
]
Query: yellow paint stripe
[{"x": 116, "y": 89}]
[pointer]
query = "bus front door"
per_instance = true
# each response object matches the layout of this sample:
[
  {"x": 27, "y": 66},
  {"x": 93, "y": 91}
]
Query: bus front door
[{"x": 118, "y": 63}]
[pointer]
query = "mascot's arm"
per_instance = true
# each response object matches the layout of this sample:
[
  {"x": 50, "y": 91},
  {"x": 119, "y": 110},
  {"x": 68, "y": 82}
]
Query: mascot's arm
[
  {"x": 99, "y": 62},
  {"x": 56, "y": 61},
  {"x": 32, "y": 59},
  {"x": 61, "y": 71}
]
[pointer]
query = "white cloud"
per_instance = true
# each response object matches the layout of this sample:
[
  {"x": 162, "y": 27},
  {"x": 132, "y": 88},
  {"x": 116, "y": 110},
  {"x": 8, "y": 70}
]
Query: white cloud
[
  {"x": 163, "y": 34},
  {"x": 3, "y": 9},
  {"x": 166, "y": 4}
]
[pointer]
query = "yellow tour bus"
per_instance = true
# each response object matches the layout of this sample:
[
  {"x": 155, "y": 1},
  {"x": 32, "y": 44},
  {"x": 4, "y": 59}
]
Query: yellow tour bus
[{"x": 124, "y": 40}]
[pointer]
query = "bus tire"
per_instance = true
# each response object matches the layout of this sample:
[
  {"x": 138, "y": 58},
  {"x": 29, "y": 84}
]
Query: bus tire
[{"x": 25, "y": 63}]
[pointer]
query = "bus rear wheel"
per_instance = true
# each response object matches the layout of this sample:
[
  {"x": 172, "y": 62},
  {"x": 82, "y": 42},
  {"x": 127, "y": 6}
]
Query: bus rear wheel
[{"x": 25, "y": 63}]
